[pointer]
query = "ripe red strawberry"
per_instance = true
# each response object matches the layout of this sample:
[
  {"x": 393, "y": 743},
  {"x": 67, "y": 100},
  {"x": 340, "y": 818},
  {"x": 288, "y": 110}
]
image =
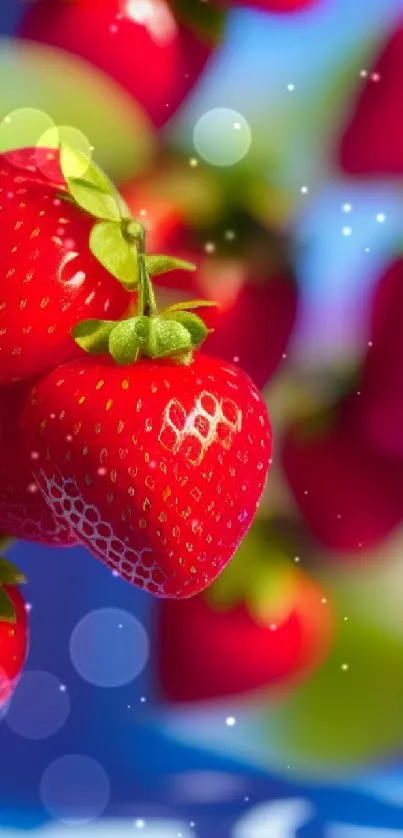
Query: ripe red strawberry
[
  {"x": 152, "y": 51},
  {"x": 377, "y": 412},
  {"x": 372, "y": 143},
  {"x": 263, "y": 624},
  {"x": 13, "y": 630},
  {"x": 23, "y": 511},
  {"x": 157, "y": 467},
  {"x": 350, "y": 496},
  {"x": 49, "y": 278},
  {"x": 249, "y": 277}
]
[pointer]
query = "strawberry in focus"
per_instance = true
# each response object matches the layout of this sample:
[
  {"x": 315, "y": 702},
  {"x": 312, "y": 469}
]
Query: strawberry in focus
[
  {"x": 49, "y": 278},
  {"x": 157, "y": 467},
  {"x": 13, "y": 630},
  {"x": 262, "y": 624},
  {"x": 155, "y": 50},
  {"x": 23, "y": 511}
]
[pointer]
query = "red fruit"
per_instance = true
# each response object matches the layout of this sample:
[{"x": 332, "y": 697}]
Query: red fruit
[
  {"x": 13, "y": 641},
  {"x": 377, "y": 412},
  {"x": 23, "y": 511},
  {"x": 49, "y": 278},
  {"x": 143, "y": 46},
  {"x": 210, "y": 649},
  {"x": 257, "y": 294},
  {"x": 350, "y": 496},
  {"x": 158, "y": 468},
  {"x": 372, "y": 143}
]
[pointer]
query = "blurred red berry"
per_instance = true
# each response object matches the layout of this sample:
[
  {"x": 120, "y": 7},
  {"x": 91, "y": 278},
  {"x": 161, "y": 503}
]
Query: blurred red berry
[
  {"x": 265, "y": 628},
  {"x": 377, "y": 412},
  {"x": 372, "y": 143},
  {"x": 13, "y": 637},
  {"x": 349, "y": 495},
  {"x": 143, "y": 46}
]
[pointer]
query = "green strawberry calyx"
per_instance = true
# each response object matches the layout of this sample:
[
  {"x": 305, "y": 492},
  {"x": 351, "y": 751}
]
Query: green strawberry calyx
[
  {"x": 118, "y": 242},
  {"x": 9, "y": 577}
]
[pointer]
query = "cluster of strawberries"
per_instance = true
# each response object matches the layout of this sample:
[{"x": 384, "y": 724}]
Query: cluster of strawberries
[{"x": 115, "y": 433}]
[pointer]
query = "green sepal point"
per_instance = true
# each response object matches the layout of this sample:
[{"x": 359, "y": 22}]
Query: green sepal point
[
  {"x": 7, "y": 609},
  {"x": 88, "y": 185},
  {"x": 111, "y": 249},
  {"x": 157, "y": 264},
  {"x": 93, "y": 335},
  {"x": 195, "y": 325},
  {"x": 9, "y": 574},
  {"x": 190, "y": 305}
]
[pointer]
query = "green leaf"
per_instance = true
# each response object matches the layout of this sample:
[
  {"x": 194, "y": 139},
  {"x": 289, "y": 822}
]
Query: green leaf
[
  {"x": 9, "y": 574},
  {"x": 158, "y": 264},
  {"x": 166, "y": 337},
  {"x": 127, "y": 338},
  {"x": 93, "y": 335},
  {"x": 110, "y": 248},
  {"x": 7, "y": 610},
  {"x": 190, "y": 305},
  {"x": 90, "y": 187},
  {"x": 195, "y": 325}
]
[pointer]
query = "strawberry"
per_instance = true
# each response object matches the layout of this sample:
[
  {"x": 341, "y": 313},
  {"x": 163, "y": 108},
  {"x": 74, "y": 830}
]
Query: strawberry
[
  {"x": 50, "y": 279},
  {"x": 372, "y": 142},
  {"x": 13, "y": 630},
  {"x": 350, "y": 496},
  {"x": 250, "y": 276},
  {"x": 23, "y": 511},
  {"x": 155, "y": 50},
  {"x": 142, "y": 462},
  {"x": 377, "y": 412},
  {"x": 262, "y": 624}
]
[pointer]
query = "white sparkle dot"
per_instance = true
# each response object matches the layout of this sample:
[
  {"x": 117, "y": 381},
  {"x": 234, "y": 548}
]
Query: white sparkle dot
[
  {"x": 304, "y": 190},
  {"x": 346, "y": 231},
  {"x": 346, "y": 207},
  {"x": 363, "y": 73},
  {"x": 143, "y": 699},
  {"x": 139, "y": 824},
  {"x": 229, "y": 235},
  {"x": 370, "y": 343},
  {"x": 344, "y": 667},
  {"x": 28, "y": 607},
  {"x": 209, "y": 247},
  {"x": 237, "y": 126},
  {"x": 381, "y": 217},
  {"x": 367, "y": 250},
  {"x": 375, "y": 77},
  {"x": 193, "y": 162},
  {"x": 345, "y": 619},
  {"x": 273, "y": 627},
  {"x": 324, "y": 600},
  {"x": 230, "y": 721},
  {"x": 290, "y": 86},
  {"x": 113, "y": 28},
  {"x": 297, "y": 559}
]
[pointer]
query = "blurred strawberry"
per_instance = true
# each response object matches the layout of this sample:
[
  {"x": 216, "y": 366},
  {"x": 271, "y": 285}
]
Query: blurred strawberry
[
  {"x": 13, "y": 629},
  {"x": 242, "y": 266},
  {"x": 349, "y": 495},
  {"x": 372, "y": 143},
  {"x": 156, "y": 49},
  {"x": 378, "y": 411},
  {"x": 262, "y": 624}
]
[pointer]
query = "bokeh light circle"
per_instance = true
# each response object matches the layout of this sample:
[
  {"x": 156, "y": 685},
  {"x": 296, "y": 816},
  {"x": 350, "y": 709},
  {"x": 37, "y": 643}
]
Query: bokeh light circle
[
  {"x": 75, "y": 789},
  {"x": 69, "y": 136},
  {"x": 222, "y": 137},
  {"x": 39, "y": 706},
  {"x": 109, "y": 647},
  {"x": 23, "y": 128}
]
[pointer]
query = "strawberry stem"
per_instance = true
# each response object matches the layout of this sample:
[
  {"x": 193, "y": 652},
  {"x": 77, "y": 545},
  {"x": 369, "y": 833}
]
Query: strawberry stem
[{"x": 134, "y": 233}]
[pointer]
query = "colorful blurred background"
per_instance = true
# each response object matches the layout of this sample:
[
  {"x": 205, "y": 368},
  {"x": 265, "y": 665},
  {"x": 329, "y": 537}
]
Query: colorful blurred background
[{"x": 264, "y": 141}]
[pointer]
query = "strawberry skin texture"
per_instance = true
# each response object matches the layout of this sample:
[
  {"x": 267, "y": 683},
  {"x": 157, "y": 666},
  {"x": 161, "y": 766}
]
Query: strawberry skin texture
[
  {"x": 157, "y": 467},
  {"x": 49, "y": 278},
  {"x": 205, "y": 654},
  {"x": 13, "y": 645},
  {"x": 23, "y": 511}
]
